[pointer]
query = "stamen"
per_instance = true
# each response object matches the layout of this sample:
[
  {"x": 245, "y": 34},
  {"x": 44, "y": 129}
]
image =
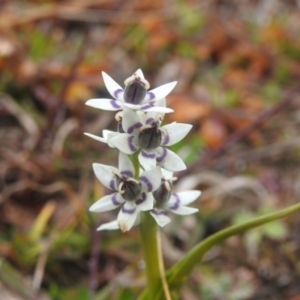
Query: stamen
[
  {"x": 120, "y": 188},
  {"x": 144, "y": 127},
  {"x": 146, "y": 83},
  {"x": 133, "y": 180},
  {"x": 163, "y": 131},
  {"x": 168, "y": 186},
  {"x": 129, "y": 79},
  {"x": 119, "y": 116},
  {"x": 117, "y": 173}
]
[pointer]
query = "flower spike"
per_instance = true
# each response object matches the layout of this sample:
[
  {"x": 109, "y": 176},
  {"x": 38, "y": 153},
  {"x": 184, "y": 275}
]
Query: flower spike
[{"x": 166, "y": 200}]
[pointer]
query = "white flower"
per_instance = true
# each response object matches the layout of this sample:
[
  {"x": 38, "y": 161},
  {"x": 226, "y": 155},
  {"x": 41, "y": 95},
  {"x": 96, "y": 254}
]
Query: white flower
[
  {"x": 166, "y": 200},
  {"x": 143, "y": 131},
  {"x": 107, "y": 135},
  {"x": 135, "y": 95},
  {"x": 133, "y": 195}
]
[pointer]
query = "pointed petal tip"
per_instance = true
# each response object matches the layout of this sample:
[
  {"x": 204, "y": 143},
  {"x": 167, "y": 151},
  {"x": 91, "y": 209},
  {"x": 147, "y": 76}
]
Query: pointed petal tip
[
  {"x": 104, "y": 74},
  {"x": 123, "y": 226},
  {"x": 109, "y": 226},
  {"x": 89, "y": 102},
  {"x": 139, "y": 72}
]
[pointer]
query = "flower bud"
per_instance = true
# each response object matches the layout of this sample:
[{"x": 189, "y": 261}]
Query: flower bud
[
  {"x": 132, "y": 190},
  {"x": 150, "y": 138},
  {"x": 135, "y": 92},
  {"x": 163, "y": 193}
]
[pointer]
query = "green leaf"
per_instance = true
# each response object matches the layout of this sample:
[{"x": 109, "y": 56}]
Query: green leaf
[
  {"x": 182, "y": 269},
  {"x": 275, "y": 230}
]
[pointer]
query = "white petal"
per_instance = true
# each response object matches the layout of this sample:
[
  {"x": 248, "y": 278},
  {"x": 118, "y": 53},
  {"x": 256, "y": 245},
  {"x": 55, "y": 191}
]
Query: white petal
[
  {"x": 109, "y": 226},
  {"x": 161, "y": 102},
  {"x": 176, "y": 132},
  {"x": 160, "y": 216},
  {"x": 114, "y": 89},
  {"x": 127, "y": 216},
  {"x": 147, "y": 159},
  {"x": 166, "y": 174},
  {"x": 145, "y": 202},
  {"x": 125, "y": 142},
  {"x": 132, "y": 106},
  {"x": 160, "y": 92},
  {"x": 184, "y": 210},
  {"x": 187, "y": 197},
  {"x": 95, "y": 137},
  {"x": 125, "y": 165},
  {"x": 151, "y": 107},
  {"x": 140, "y": 73},
  {"x": 105, "y": 104},
  {"x": 131, "y": 121},
  {"x": 106, "y": 174},
  {"x": 152, "y": 116},
  {"x": 107, "y": 203},
  {"x": 108, "y": 134},
  {"x": 169, "y": 160},
  {"x": 151, "y": 179}
]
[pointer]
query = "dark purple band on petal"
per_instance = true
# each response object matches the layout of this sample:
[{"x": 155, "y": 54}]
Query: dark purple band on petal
[
  {"x": 117, "y": 92},
  {"x": 112, "y": 185},
  {"x": 166, "y": 140},
  {"x": 141, "y": 200},
  {"x": 128, "y": 211},
  {"x": 148, "y": 154},
  {"x": 147, "y": 182},
  {"x": 114, "y": 104},
  {"x": 149, "y": 105},
  {"x": 131, "y": 146},
  {"x": 162, "y": 157},
  {"x": 176, "y": 204},
  {"x": 127, "y": 173},
  {"x": 150, "y": 120},
  {"x": 151, "y": 95},
  {"x": 134, "y": 126},
  {"x": 158, "y": 212},
  {"x": 115, "y": 200}
]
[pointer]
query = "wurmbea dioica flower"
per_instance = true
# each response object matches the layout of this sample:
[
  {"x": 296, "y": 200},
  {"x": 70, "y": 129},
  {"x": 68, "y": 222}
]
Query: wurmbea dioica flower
[
  {"x": 139, "y": 132},
  {"x": 108, "y": 134},
  {"x": 143, "y": 131},
  {"x": 166, "y": 200},
  {"x": 135, "y": 95},
  {"x": 133, "y": 195}
]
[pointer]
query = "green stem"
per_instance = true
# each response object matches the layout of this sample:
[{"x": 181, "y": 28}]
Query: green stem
[
  {"x": 151, "y": 251},
  {"x": 151, "y": 248}
]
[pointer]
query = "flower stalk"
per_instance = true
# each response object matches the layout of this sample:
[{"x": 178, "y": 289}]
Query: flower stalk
[
  {"x": 142, "y": 185},
  {"x": 152, "y": 253}
]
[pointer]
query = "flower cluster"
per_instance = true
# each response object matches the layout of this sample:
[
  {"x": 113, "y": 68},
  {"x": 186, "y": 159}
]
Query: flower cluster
[{"x": 139, "y": 131}]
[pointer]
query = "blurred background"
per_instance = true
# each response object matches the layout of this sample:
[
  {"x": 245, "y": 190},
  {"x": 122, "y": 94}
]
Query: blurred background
[{"x": 237, "y": 64}]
